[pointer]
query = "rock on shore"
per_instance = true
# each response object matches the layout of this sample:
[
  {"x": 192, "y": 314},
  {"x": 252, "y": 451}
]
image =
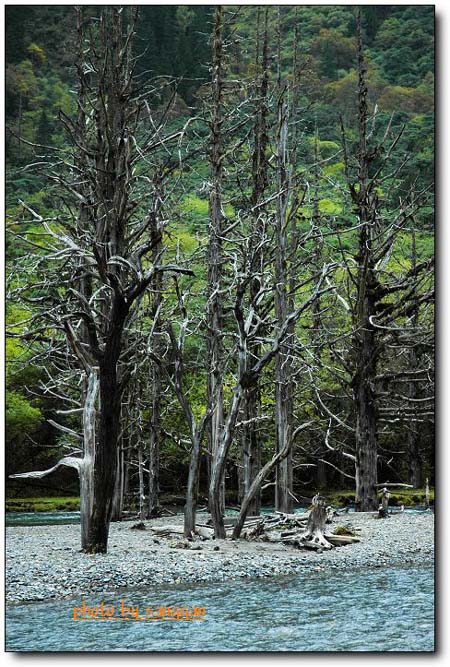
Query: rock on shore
[{"x": 45, "y": 562}]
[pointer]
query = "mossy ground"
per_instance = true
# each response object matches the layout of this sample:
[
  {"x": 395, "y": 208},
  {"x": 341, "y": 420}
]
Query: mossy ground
[
  {"x": 399, "y": 496},
  {"x": 66, "y": 504},
  {"x": 344, "y": 530}
]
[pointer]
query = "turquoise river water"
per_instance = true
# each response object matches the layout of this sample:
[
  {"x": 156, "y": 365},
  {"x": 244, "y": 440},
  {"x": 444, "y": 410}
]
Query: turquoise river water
[
  {"x": 59, "y": 518},
  {"x": 371, "y": 609}
]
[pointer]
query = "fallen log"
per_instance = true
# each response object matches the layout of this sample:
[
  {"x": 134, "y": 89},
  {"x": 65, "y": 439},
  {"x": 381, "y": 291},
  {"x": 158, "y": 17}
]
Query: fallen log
[
  {"x": 232, "y": 520},
  {"x": 341, "y": 540},
  {"x": 167, "y": 530}
]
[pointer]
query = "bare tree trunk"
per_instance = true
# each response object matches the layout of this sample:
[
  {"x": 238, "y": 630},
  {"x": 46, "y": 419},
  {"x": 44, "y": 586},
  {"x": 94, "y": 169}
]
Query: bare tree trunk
[
  {"x": 141, "y": 483},
  {"x": 314, "y": 536},
  {"x": 155, "y": 427},
  {"x": 215, "y": 258},
  {"x": 117, "y": 508},
  {"x": 414, "y": 462},
  {"x": 251, "y": 452},
  {"x": 192, "y": 487},
  {"x": 251, "y": 441},
  {"x": 247, "y": 376},
  {"x": 256, "y": 485},
  {"x": 105, "y": 460},
  {"x": 109, "y": 245},
  {"x": 414, "y": 459},
  {"x": 196, "y": 430},
  {"x": 364, "y": 342},
  {"x": 153, "y": 458},
  {"x": 283, "y": 385},
  {"x": 86, "y": 470},
  {"x": 219, "y": 463},
  {"x": 156, "y": 379}
]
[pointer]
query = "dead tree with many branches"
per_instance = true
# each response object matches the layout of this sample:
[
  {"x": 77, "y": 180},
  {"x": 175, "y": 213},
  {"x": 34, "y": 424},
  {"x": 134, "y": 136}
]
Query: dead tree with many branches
[{"x": 105, "y": 242}]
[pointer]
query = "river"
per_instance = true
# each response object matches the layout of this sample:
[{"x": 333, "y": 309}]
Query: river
[
  {"x": 373, "y": 609},
  {"x": 61, "y": 518}
]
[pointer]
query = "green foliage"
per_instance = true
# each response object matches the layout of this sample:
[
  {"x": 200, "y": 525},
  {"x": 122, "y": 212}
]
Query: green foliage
[
  {"x": 334, "y": 52},
  {"x": 21, "y": 417},
  {"x": 404, "y": 44},
  {"x": 196, "y": 206},
  {"x": 37, "y": 53},
  {"x": 335, "y": 169},
  {"x": 328, "y": 207}
]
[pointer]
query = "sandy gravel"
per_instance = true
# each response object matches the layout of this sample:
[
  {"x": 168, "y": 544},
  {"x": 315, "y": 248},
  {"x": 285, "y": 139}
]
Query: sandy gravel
[{"x": 45, "y": 562}]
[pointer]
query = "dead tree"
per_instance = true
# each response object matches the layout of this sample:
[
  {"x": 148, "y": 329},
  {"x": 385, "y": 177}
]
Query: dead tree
[
  {"x": 248, "y": 372},
  {"x": 365, "y": 349},
  {"x": 314, "y": 536},
  {"x": 379, "y": 300},
  {"x": 283, "y": 378},
  {"x": 215, "y": 253},
  {"x": 156, "y": 304},
  {"x": 251, "y": 440},
  {"x": 196, "y": 427},
  {"x": 414, "y": 462},
  {"x": 113, "y": 250}
]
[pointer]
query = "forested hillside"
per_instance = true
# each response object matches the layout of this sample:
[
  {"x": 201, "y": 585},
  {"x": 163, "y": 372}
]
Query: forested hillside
[{"x": 265, "y": 290}]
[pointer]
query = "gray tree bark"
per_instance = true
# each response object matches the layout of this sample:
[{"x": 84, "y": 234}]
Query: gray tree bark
[
  {"x": 364, "y": 340},
  {"x": 215, "y": 259},
  {"x": 283, "y": 384}
]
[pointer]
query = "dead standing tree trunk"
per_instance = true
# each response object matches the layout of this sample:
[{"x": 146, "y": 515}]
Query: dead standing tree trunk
[
  {"x": 177, "y": 380},
  {"x": 111, "y": 189},
  {"x": 97, "y": 468},
  {"x": 365, "y": 347},
  {"x": 414, "y": 462},
  {"x": 283, "y": 383},
  {"x": 384, "y": 300},
  {"x": 251, "y": 442},
  {"x": 155, "y": 346},
  {"x": 215, "y": 257},
  {"x": 258, "y": 481},
  {"x": 114, "y": 250}
]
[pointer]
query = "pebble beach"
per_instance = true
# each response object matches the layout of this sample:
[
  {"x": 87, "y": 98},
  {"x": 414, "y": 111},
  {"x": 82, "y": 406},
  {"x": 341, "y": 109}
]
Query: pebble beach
[{"x": 45, "y": 562}]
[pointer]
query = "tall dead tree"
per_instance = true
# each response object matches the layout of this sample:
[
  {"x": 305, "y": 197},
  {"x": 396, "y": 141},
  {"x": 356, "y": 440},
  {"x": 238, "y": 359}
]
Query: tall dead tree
[
  {"x": 156, "y": 298},
  {"x": 173, "y": 369},
  {"x": 283, "y": 380},
  {"x": 365, "y": 349},
  {"x": 382, "y": 301},
  {"x": 251, "y": 441},
  {"x": 215, "y": 251},
  {"x": 248, "y": 373},
  {"x": 110, "y": 244},
  {"x": 414, "y": 462}
]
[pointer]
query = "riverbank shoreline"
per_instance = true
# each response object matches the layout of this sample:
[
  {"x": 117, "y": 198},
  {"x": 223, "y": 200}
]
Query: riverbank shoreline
[{"x": 45, "y": 562}]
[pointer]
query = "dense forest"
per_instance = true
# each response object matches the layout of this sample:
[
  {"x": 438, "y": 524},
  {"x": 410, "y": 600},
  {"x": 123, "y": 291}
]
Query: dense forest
[{"x": 219, "y": 255}]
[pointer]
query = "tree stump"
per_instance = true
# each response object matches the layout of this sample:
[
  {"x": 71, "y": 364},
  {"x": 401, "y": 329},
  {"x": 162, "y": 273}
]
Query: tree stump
[
  {"x": 313, "y": 537},
  {"x": 383, "y": 509}
]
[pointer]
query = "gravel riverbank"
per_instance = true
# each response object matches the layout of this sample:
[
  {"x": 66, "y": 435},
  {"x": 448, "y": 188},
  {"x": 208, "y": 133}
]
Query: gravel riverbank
[{"x": 44, "y": 562}]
